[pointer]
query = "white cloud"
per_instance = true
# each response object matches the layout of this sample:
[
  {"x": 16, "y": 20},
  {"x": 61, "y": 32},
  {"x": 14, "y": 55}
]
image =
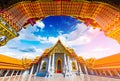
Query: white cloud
[
  {"x": 40, "y": 24},
  {"x": 27, "y": 34},
  {"x": 29, "y": 56},
  {"x": 60, "y": 32},
  {"x": 97, "y": 49},
  {"x": 38, "y": 52},
  {"x": 75, "y": 38},
  {"x": 50, "y": 40},
  {"x": 79, "y": 41},
  {"x": 7, "y": 51},
  {"x": 11, "y": 54},
  {"x": 92, "y": 33},
  {"x": 81, "y": 28},
  {"x": 83, "y": 35}
]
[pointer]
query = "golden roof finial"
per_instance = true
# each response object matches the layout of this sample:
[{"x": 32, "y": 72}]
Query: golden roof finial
[{"x": 59, "y": 40}]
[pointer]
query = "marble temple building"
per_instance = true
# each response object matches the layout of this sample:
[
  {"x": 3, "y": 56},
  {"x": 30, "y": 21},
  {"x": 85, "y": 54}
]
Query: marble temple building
[{"x": 59, "y": 59}]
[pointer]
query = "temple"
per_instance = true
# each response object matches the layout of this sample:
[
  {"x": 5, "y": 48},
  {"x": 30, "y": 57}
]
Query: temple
[{"x": 58, "y": 60}]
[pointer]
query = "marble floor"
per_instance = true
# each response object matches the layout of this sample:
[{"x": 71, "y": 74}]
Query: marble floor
[
  {"x": 76, "y": 78},
  {"x": 73, "y": 78}
]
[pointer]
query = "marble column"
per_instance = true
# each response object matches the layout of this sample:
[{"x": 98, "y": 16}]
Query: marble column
[
  {"x": 80, "y": 69},
  {"x": 41, "y": 65},
  {"x": 20, "y": 76},
  {"x": 117, "y": 73},
  {"x": 69, "y": 64},
  {"x": 65, "y": 68},
  {"x": 16, "y": 76},
  {"x": 31, "y": 73},
  {"x": 37, "y": 67},
  {"x": 5, "y": 75},
  {"x": 85, "y": 70},
  {"x": 104, "y": 73},
  {"x": 11, "y": 75},
  {"x": 53, "y": 60},
  {"x": 110, "y": 73},
  {"x": 76, "y": 64},
  {"x": 95, "y": 72},
  {"x": 92, "y": 72},
  {"x": 100, "y": 72},
  {"x": 1, "y": 71},
  {"x": 49, "y": 66},
  {"x": 25, "y": 75}
]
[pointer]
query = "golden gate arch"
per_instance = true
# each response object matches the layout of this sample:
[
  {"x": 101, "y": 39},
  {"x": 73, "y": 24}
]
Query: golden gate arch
[{"x": 97, "y": 14}]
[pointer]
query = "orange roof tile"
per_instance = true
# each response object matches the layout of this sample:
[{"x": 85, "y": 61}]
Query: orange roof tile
[
  {"x": 109, "y": 59},
  {"x": 10, "y": 67},
  {"x": 108, "y": 62},
  {"x": 7, "y": 59},
  {"x": 7, "y": 62}
]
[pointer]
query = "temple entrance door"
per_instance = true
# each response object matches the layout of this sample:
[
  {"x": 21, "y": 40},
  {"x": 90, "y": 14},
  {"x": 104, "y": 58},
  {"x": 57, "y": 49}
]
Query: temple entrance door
[{"x": 59, "y": 66}]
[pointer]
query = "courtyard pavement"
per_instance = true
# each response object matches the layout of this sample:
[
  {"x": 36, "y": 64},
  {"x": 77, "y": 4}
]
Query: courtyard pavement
[
  {"x": 60, "y": 78},
  {"x": 76, "y": 78}
]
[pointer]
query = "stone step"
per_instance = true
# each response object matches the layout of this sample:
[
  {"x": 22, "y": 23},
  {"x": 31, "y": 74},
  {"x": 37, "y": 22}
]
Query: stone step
[{"x": 58, "y": 75}]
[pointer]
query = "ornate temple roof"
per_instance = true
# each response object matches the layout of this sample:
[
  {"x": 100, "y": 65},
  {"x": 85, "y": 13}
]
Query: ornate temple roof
[
  {"x": 108, "y": 62},
  {"x": 7, "y": 3},
  {"x": 69, "y": 51},
  {"x": 95, "y": 13},
  {"x": 48, "y": 50},
  {"x": 7, "y": 62},
  {"x": 7, "y": 59}
]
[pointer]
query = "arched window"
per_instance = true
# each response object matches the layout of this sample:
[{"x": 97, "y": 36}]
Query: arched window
[
  {"x": 73, "y": 66},
  {"x": 44, "y": 66}
]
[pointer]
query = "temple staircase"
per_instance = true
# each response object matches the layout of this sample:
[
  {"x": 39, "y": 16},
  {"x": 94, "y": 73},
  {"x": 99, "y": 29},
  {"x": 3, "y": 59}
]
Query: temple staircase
[{"x": 58, "y": 75}]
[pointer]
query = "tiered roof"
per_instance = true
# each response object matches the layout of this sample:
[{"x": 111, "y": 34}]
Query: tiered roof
[
  {"x": 108, "y": 62},
  {"x": 69, "y": 51},
  {"x": 7, "y": 62}
]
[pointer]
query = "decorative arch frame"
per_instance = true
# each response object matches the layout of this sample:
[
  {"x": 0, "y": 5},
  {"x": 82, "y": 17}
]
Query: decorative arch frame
[{"x": 97, "y": 14}]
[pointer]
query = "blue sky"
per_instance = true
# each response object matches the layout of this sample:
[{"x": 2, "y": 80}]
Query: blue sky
[{"x": 86, "y": 41}]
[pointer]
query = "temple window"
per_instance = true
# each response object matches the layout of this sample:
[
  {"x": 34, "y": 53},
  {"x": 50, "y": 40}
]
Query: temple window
[
  {"x": 73, "y": 66},
  {"x": 44, "y": 66}
]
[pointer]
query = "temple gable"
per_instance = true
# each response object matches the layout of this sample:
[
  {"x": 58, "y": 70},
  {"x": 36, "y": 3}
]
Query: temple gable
[{"x": 58, "y": 48}]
